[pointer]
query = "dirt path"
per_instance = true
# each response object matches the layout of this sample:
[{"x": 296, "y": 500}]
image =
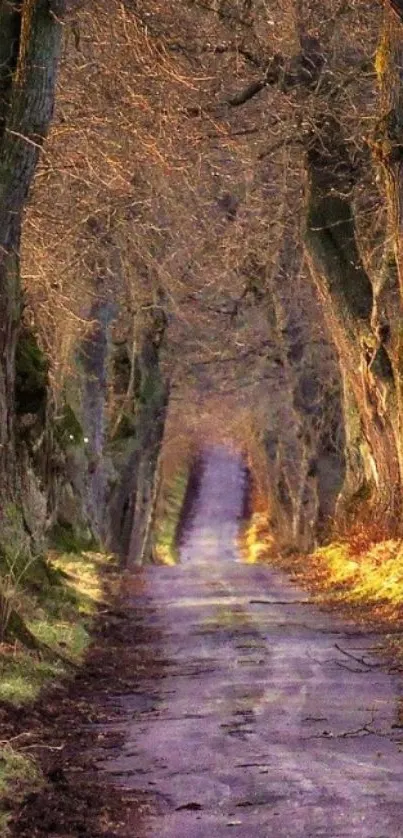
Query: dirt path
[{"x": 255, "y": 720}]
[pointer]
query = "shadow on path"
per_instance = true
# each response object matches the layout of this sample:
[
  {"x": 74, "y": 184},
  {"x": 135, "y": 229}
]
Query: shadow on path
[{"x": 258, "y": 723}]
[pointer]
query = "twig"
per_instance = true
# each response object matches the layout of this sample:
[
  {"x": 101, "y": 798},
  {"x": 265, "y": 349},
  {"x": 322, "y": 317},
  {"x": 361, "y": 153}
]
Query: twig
[{"x": 362, "y": 660}]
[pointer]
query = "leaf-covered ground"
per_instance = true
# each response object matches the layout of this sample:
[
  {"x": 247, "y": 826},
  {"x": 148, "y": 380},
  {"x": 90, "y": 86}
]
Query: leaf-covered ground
[{"x": 60, "y": 732}]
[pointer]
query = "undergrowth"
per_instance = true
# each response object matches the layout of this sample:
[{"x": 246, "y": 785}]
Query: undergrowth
[
  {"x": 373, "y": 576},
  {"x": 362, "y": 567},
  {"x": 256, "y": 541},
  {"x": 56, "y": 599},
  {"x": 166, "y": 548},
  {"x": 19, "y": 775}
]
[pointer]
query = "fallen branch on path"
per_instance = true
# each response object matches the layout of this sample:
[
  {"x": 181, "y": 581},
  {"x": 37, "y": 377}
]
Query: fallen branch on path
[
  {"x": 359, "y": 660},
  {"x": 280, "y": 602},
  {"x": 364, "y": 730}
]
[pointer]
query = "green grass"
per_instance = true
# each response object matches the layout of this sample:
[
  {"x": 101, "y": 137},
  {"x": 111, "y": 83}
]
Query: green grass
[
  {"x": 59, "y": 616},
  {"x": 22, "y": 677},
  {"x": 66, "y": 540},
  {"x": 57, "y": 600},
  {"x": 72, "y": 637},
  {"x": 19, "y": 775},
  {"x": 169, "y": 517}
]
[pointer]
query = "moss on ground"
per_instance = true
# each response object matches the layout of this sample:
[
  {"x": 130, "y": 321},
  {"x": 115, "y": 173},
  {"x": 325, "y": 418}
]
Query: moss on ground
[
  {"x": 57, "y": 601},
  {"x": 22, "y": 676},
  {"x": 14, "y": 543},
  {"x": 68, "y": 539},
  {"x": 19, "y": 775},
  {"x": 166, "y": 548},
  {"x": 59, "y": 616}
]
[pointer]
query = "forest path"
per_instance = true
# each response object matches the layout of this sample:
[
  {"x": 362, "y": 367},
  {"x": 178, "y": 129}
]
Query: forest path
[{"x": 251, "y": 721}]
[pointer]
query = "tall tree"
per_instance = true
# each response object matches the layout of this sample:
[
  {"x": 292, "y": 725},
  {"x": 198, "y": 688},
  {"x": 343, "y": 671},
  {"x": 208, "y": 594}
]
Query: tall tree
[{"x": 30, "y": 43}]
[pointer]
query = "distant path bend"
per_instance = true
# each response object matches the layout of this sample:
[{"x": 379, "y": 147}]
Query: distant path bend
[{"x": 257, "y": 724}]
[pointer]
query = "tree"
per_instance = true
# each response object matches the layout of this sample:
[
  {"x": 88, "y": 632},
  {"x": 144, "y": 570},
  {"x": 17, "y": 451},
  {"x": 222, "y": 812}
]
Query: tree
[
  {"x": 234, "y": 179},
  {"x": 30, "y": 43},
  {"x": 323, "y": 91},
  {"x": 169, "y": 185}
]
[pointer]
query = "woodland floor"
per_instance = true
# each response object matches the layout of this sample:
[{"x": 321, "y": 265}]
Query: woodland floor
[{"x": 219, "y": 700}]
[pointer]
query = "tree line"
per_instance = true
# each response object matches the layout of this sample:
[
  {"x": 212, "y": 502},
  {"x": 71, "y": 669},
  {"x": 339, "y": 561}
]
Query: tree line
[{"x": 199, "y": 202}]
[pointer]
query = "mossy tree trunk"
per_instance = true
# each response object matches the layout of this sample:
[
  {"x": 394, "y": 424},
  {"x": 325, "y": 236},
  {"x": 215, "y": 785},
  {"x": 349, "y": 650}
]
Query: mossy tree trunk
[
  {"x": 367, "y": 317},
  {"x": 30, "y": 41},
  {"x": 365, "y": 326},
  {"x": 150, "y": 424},
  {"x": 349, "y": 305},
  {"x": 388, "y": 158},
  {"x": 137, "y": 438}
]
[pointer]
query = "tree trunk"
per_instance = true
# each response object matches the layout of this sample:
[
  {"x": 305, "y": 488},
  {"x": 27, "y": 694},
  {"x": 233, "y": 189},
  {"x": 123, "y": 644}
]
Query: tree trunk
[
  {"x": 388, "y": 158},
  {"x": 150, "y": 423},
  {"x": 350, "y": 306},
  {"x": 30, "y": 41},
  {"x": 136, "y": 443}
]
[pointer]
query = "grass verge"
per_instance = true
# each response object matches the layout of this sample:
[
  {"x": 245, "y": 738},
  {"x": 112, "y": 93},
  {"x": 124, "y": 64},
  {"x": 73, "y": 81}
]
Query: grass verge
[
  {"x": 169, "y": 516},
  {"x": 19, "y": 775},
  {"x": 372, "y": 575},
  {"x": 255, "y": 541},
  {"x": 58, "y": 612},
  {"x": 357, "y": 571}
]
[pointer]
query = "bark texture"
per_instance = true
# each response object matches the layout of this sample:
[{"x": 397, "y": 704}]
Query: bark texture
[
  {"x": 138, "y": 441},
  {"x": 30, "y": 42}
]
